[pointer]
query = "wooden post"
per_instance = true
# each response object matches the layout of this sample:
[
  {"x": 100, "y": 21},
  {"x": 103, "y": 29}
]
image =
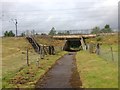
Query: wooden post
[
  {"x": 41, "y": 52},
  {"x": 37, "y": 63},
  {"x": 112, "y": 53},
  {"x": 53, "y": 50},
  {"x": 45, "y": 51},
  {"x": 50, "y": 50},
  {"x": 27, "y": 58},
  {"x": 97, "y": 49}
]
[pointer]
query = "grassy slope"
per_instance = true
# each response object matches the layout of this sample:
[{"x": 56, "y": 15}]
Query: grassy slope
[
  {"x": 110, "y": 39},
  {"x": 106, "y": 42},
  {"x": 14, "y": 58},
  {"x": 49, "y": 41},
  {"x": 96, "y": 72},
  {"x": 58, "y": 44},
  {"x": 28, "y": 76},
  {"x": 106, "y": 54},
  {"x": 14, "y": 54}
]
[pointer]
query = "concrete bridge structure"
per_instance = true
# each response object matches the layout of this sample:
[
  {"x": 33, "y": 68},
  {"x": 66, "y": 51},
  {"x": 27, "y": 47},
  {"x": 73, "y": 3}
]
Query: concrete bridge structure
[
  {"x": 74, "y": 42},
  {"x": 74, "y": 36}
]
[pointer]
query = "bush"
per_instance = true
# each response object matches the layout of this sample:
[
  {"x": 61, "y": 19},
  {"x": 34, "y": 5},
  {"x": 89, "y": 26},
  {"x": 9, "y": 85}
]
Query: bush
[{"x": 98, "y": 39}]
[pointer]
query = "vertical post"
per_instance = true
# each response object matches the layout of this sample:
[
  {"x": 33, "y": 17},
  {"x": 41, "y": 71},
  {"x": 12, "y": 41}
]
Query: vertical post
[
  {"x": 97, "y": 49},
  {"x": 50, "y": 50},
  {"x": 16, "y": 26},
  {"x": 83, "y": 43},
  {"x": 27, "y": 58},
  {"x": 112, "y": 53},
  {"x": 37, "y": 63},
  {"x": 41, "y": 52}
]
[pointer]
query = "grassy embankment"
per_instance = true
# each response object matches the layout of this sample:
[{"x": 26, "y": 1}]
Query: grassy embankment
[
  {"x": 58, "y": 44},
  {"x": 106, "y": 42},
  {"x": 15, "y": 72},
  {"x": 94, "y": 70}
]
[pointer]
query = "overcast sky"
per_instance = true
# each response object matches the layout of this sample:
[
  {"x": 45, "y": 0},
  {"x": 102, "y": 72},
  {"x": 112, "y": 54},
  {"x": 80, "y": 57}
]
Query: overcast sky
[{"x": 42, "y": 15}]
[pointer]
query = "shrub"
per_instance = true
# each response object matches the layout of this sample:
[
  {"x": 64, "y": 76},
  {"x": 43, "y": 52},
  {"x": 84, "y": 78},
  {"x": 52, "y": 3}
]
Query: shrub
[{"x": 98, "y": 39}]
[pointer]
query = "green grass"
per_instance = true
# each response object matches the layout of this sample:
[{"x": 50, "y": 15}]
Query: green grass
[
  {"x": 106, "y": 41},
  {"x": 106, "y": 53},
  {"x": 95, "y": 72}
]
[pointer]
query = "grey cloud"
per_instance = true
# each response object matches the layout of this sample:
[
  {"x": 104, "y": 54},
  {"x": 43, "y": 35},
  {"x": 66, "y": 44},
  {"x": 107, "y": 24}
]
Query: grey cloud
[{"x": 42, "y": 15}]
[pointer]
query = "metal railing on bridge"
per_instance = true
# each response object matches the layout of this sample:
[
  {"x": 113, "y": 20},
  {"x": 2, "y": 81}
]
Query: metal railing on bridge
[{"x": 66, "y": 32}]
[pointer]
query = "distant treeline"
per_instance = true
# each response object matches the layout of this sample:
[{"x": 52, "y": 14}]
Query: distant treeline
[{"x": 95, "y": 30}]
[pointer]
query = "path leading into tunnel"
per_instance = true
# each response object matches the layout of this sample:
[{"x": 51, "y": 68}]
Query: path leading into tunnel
[{"x": 63, "y": 74}]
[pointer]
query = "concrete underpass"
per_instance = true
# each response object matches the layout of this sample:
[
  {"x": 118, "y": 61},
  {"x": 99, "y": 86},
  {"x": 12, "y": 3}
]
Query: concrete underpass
[
  {"x": 72, "y": 45},
  {"x": 74, "y": 42}
]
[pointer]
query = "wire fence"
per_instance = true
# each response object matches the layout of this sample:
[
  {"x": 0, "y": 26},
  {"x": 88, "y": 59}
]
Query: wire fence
[
  {"x": 109, "y": 53},
  {"x": 105, "y": 51},
  {"x": 21, "y": 56}
]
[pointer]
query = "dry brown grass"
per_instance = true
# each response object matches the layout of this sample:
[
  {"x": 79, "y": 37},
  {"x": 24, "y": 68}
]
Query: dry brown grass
[
  {"x": 49, "y": 41},
  {"x": 14, "y": 61}
]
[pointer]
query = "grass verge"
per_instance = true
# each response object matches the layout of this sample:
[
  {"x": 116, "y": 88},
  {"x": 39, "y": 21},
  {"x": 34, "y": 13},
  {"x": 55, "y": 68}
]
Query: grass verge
[
  {"x": 95, "y": 72},
  {"x": 28, "y": 76},
  {"x": 106, "y": 53}
]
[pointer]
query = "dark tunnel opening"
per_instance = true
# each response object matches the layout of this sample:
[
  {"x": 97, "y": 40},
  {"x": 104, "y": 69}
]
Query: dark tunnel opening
[{"x": 72, "y": 45}]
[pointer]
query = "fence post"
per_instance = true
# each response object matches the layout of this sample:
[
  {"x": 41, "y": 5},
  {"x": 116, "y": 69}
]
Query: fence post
[
  {"x": 27, "y": 58},
  {"x": 97, "y": 49},
  {"x": 41, "y": 52},
  {"x": 112, "y": 53},
  {"x": 37, "y": 63},
  {"x": 50, "y": 50}
]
